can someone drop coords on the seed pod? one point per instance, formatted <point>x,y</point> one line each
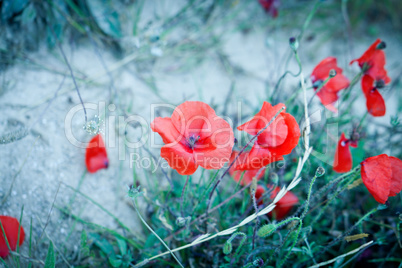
<point>319,172</point>
<point>227,248</point>
<point>266,230</point>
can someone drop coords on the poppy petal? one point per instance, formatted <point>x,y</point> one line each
<point>337,83</point>
<point>343,158</point>
<point>10,226</point>
<point>180,158</point>
<point>165,128</point>
<point>96,155</point>
<point>194,118</point>
<point>292,138</point>
<point>321,71</point>
<point>375,103</point>
<point>376,174</point>
<point>261,119</point>
<point>258,157</point>
<point>367,84</point>
<point>367,54</point>
<point>396,179</point>
<point>258,194</point>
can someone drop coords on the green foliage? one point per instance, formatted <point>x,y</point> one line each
<point>50,261</point>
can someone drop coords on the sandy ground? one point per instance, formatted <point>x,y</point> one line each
<point>54,159</point>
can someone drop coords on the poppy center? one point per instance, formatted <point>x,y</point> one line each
<point>192,140</point>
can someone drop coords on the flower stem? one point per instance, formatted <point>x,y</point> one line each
<point>182,196</point>
<point>152,231</point>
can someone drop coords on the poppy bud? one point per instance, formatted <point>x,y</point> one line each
<point>332,73</point>
<point>317,83</point>
<point>258,262</point>
<point>274,178</point>
<point>319,172</point>
<point>294,44</point>
<point>227,248</point>
<point>382,45</point>
<point>266,230</point>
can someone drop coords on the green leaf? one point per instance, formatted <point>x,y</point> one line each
<point>50,257</point>
<point>115,262</point>
<point>105,17</point>
<point>122,246</point>
<point>83,238</point>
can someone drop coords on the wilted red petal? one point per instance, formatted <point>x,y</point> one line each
<point>396,179</point>
<point>343,158</point>
<point>367,84</point>
<point>10,226</point>
<point>374,59</point>
<point>328,93</point>
<point>375,103</point>
<point>367,54</point>
<point>337,83</point>
<point>321,71</point>
<point>96,155</point>
<point>376,174</point>
<point>258,193</point>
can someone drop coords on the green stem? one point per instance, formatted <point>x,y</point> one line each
<point>152,231</point>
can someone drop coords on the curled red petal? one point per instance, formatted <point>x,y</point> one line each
<point>327,98</point>
<point>337,83</point>
<point>292,139</point>
<point>321,71</point>
<point>165,128</point>
<point>376,174</point>
<point>343,158</point>
<point>180,158</point>
<point>396,179</point>
<point>96,155</point>
<point>367,84</point>
<point>11,227</point>
<point>261,119</point>
<point>367,54</point>
<point>375,103</point>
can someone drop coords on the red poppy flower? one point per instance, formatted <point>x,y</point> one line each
<point>194,136</point>
<point>248,174</point>
<point>381,175</point>
<point>328,94</point>
<point>343,158</point>
<point>374,101</point>
<point>10,226</point>
<point>372,62</point>
<point>270,6</point>
<point>284,205</point>
<point>277,140</point>
<point>96,156</point>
